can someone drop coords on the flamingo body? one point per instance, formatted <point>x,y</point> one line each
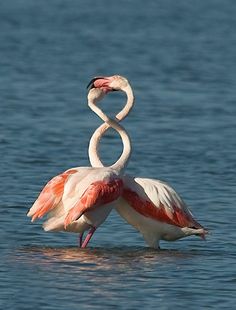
<point>156,211</point>
<point>78,199</point>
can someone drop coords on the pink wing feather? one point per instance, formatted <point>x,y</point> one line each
<point>50,196</point>
<point>97,194</point>
<point>157,200</point>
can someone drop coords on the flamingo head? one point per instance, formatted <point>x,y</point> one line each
<point>108,84</point>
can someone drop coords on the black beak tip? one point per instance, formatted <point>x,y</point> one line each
<point>91,84</point>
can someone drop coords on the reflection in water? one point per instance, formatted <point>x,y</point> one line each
<point>104,271</point>
<point>98,258</point>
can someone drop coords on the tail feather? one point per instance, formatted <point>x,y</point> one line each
<point>201,232</point>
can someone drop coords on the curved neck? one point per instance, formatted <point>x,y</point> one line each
<point>121,163</point>
<point>93,150</point>
<point>129,103</point>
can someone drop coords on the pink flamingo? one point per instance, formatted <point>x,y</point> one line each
<point>151,206</point>
<point>81,198</point>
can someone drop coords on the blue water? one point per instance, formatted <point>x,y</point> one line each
<point>180,59</point>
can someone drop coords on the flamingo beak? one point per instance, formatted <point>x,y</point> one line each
<point>102,83</point>
<point>91,83</point>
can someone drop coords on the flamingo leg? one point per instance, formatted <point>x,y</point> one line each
<point>88,237</point>
<point>81,239</point>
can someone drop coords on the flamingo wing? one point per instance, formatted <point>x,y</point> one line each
<point>157,200</point>
<point>97,194</point>
<point>51,195</point>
